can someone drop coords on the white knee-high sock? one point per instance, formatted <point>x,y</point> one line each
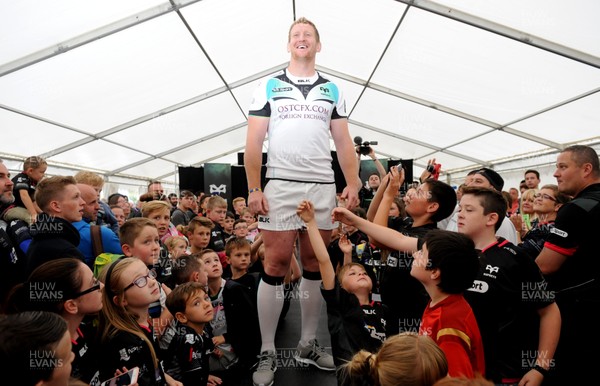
<point>311,301</point>
<point>270,302</point>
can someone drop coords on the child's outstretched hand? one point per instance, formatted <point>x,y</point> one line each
<point>343,215</point>
<point>396,179</point>
<point>345,244</point>
<point>306,211</point>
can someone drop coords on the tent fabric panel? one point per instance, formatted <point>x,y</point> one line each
<point>478,72</point>
<point>239,44</point>
<point>551,20</point>
<point>495,146</point>
<point>389,145</point>
<point>572,122</point>
<point>184,125</point>
<point>210,149</point>
<point>24,135</point>
<point>135,72</point>
<point>41,24</point>
<point>350,43</point>
<point>99,155</point>
<point>415,121</point>
<point>152,169</point>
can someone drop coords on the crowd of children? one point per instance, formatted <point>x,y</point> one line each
<point>179,305</point>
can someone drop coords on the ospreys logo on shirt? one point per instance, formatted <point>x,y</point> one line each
<point>190,339</point>
<point>124,356</point>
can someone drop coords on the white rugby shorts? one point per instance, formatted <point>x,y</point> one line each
<point>283,198</point>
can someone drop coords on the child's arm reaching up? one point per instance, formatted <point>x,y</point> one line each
<point>307,214</point>
<point>384,235</point>
<point>346,248</point>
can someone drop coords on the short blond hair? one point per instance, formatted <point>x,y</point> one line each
<point>303,20</point>
<point>89,178</point>
<point>171,241</point>
<point>154,206</point>
<point>132,228</point>
<point>216,202</point>
<point>33,162</point>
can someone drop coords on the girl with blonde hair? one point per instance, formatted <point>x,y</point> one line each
<point>127,338</point>
<point>406,359</point>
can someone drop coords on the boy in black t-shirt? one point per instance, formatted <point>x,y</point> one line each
<point>355,322</point>
<point>216,211</point>
<point>189,346</point>
<point>239,301</point>
<point>429,203</point>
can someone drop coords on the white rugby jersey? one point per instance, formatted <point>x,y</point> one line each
<point>300,111</point>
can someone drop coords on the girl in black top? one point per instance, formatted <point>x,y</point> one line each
<point>127,338</point>
<point>66,287</point>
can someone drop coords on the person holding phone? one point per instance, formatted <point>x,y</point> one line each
<point>128,378</point>
<point>127,337</point>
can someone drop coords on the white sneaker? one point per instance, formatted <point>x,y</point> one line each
<point>265,371</point>
<point>315,355</point>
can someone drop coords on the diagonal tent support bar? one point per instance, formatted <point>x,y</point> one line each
<point>146,117</point>
<point>94,35</point>
<point>181,147</point>
<point>502,30</point>
<point>536,139</point>
<point>448,110</point>
<point>391,38</point>
<point>207,160</point>
<point>171,8</point>
<point>423,144</point>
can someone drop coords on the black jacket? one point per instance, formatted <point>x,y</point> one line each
<point>53,238</point>
<point>243,330</point>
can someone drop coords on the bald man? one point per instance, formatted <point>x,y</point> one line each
<point>110,241</point>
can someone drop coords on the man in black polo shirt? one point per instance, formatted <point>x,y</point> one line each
<point>571,262</point>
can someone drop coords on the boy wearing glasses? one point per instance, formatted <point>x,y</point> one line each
<point>240,229</point>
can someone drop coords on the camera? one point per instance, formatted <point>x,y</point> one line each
<point>434,169</point>
<point>364,148</point>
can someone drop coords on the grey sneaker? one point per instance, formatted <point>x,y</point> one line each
<point>315,355</point>
<point>265,371</point>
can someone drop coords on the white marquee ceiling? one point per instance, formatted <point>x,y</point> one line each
<point>134,88</point>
